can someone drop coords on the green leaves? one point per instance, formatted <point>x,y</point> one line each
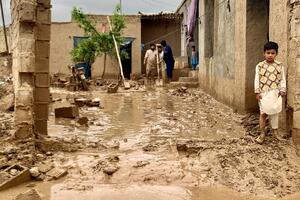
<point>97,43</point>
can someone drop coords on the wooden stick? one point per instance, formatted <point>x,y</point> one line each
<point>157,65</point>
<point>117,50</point>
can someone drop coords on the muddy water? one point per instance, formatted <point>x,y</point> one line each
<point>137,133</point>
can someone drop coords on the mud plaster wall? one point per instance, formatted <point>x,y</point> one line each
<point>2,40</point>
<point>221,71</point>
<point>62,43</point>
<point>153,29</point>
<point>278,32</point>
<point>186,51</point>
<point>294,68</point>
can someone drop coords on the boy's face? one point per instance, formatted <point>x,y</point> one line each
<point>270,55</point>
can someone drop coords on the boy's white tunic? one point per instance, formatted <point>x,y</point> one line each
<point>269,81</point>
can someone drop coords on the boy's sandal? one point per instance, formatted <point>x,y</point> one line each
<point>260,139</point>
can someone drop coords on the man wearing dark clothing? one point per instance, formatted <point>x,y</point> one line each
<point>168,58</point>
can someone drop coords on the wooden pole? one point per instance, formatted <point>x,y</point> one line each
<point>4,29</point>
<point>117,50</point>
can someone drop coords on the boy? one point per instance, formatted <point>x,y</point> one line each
<point>194,58</point>
<point>270,87</point>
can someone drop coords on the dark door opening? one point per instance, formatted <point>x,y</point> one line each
<point>126,47</point>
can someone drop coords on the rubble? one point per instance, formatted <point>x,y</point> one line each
<point>29,195</point>
<point>56,173</point>
<point>13,175</point>
<point>67,112</point>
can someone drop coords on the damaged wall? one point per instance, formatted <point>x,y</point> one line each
<point>62,43</point>
<point>220,35</point>
<point>31,32</point>
<point>2,39</point>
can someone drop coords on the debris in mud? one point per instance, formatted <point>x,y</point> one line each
<point>110,170</point>
<point>56,173</point>
<point>29,195</point>
<point>83,121</point>
<point>80,102</point>
<point>13,175</point>
<point>112,88</point>
<point>67,112</point>
<point>140,164</point>
<point>150,147</point>
<point>180,91</point>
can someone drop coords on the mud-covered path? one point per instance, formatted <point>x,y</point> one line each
<point>164,145</point>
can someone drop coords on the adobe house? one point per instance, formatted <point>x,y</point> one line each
<point>231,38</point>
<point>158,27</point>
<point>62,42</point>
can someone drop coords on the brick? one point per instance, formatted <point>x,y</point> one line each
<point>43,32</point>
<point>57,173</point>
<point>67,112</point>
<point>41,80</point>
<point>27,12</point>
<point>41,127</point>
<point>41,95</point>
<point>41,64</point>
<point>43,15</point>
<point>42,49</point>
<point>41,111</point>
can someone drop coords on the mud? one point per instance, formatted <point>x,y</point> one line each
<point>163,144</point>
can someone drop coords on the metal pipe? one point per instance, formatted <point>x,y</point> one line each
<point>4,28</point>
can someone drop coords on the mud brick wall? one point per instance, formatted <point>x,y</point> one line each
<point>294,70</point>
<point>30,31</point>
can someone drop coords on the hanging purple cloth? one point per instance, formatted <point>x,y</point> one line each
<point>191,20</point>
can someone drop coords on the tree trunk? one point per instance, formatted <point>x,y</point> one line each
<point>104,65</point>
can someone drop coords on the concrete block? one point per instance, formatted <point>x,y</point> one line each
<point>41,80</point>
<point>41,95</point>
<point>43,15</point>
<point>41,111</point>
<point>41,127</point>
<point>41,64</point>
<point>27,12</point>
<point>42,49</point>
<point>43,32</point>
<point>67,112</point>
<point>296,120</point>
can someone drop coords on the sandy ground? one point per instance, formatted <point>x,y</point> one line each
<point>163,144</point>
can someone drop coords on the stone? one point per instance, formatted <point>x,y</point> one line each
<point>7,103</point>
<point>57,173</point>
<point>29,195</point>
<point>141,164</point>
<point>67,112</point>
<point>34,172</point>
<point>45,167</point>
<point>110,170</point>
<point>83,121</point>
<point>13,172</point>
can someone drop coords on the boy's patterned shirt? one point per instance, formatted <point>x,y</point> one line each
<point>269,77</point>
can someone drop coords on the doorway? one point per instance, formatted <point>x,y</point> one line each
<point>126,51</point>
<point>257,34</point>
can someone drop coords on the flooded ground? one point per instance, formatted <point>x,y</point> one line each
<point>162,145</point>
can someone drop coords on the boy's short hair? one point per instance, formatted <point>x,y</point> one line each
<point>151,45</point>
<point>271,45</point>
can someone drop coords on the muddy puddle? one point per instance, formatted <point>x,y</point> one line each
<point>163,145</point>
